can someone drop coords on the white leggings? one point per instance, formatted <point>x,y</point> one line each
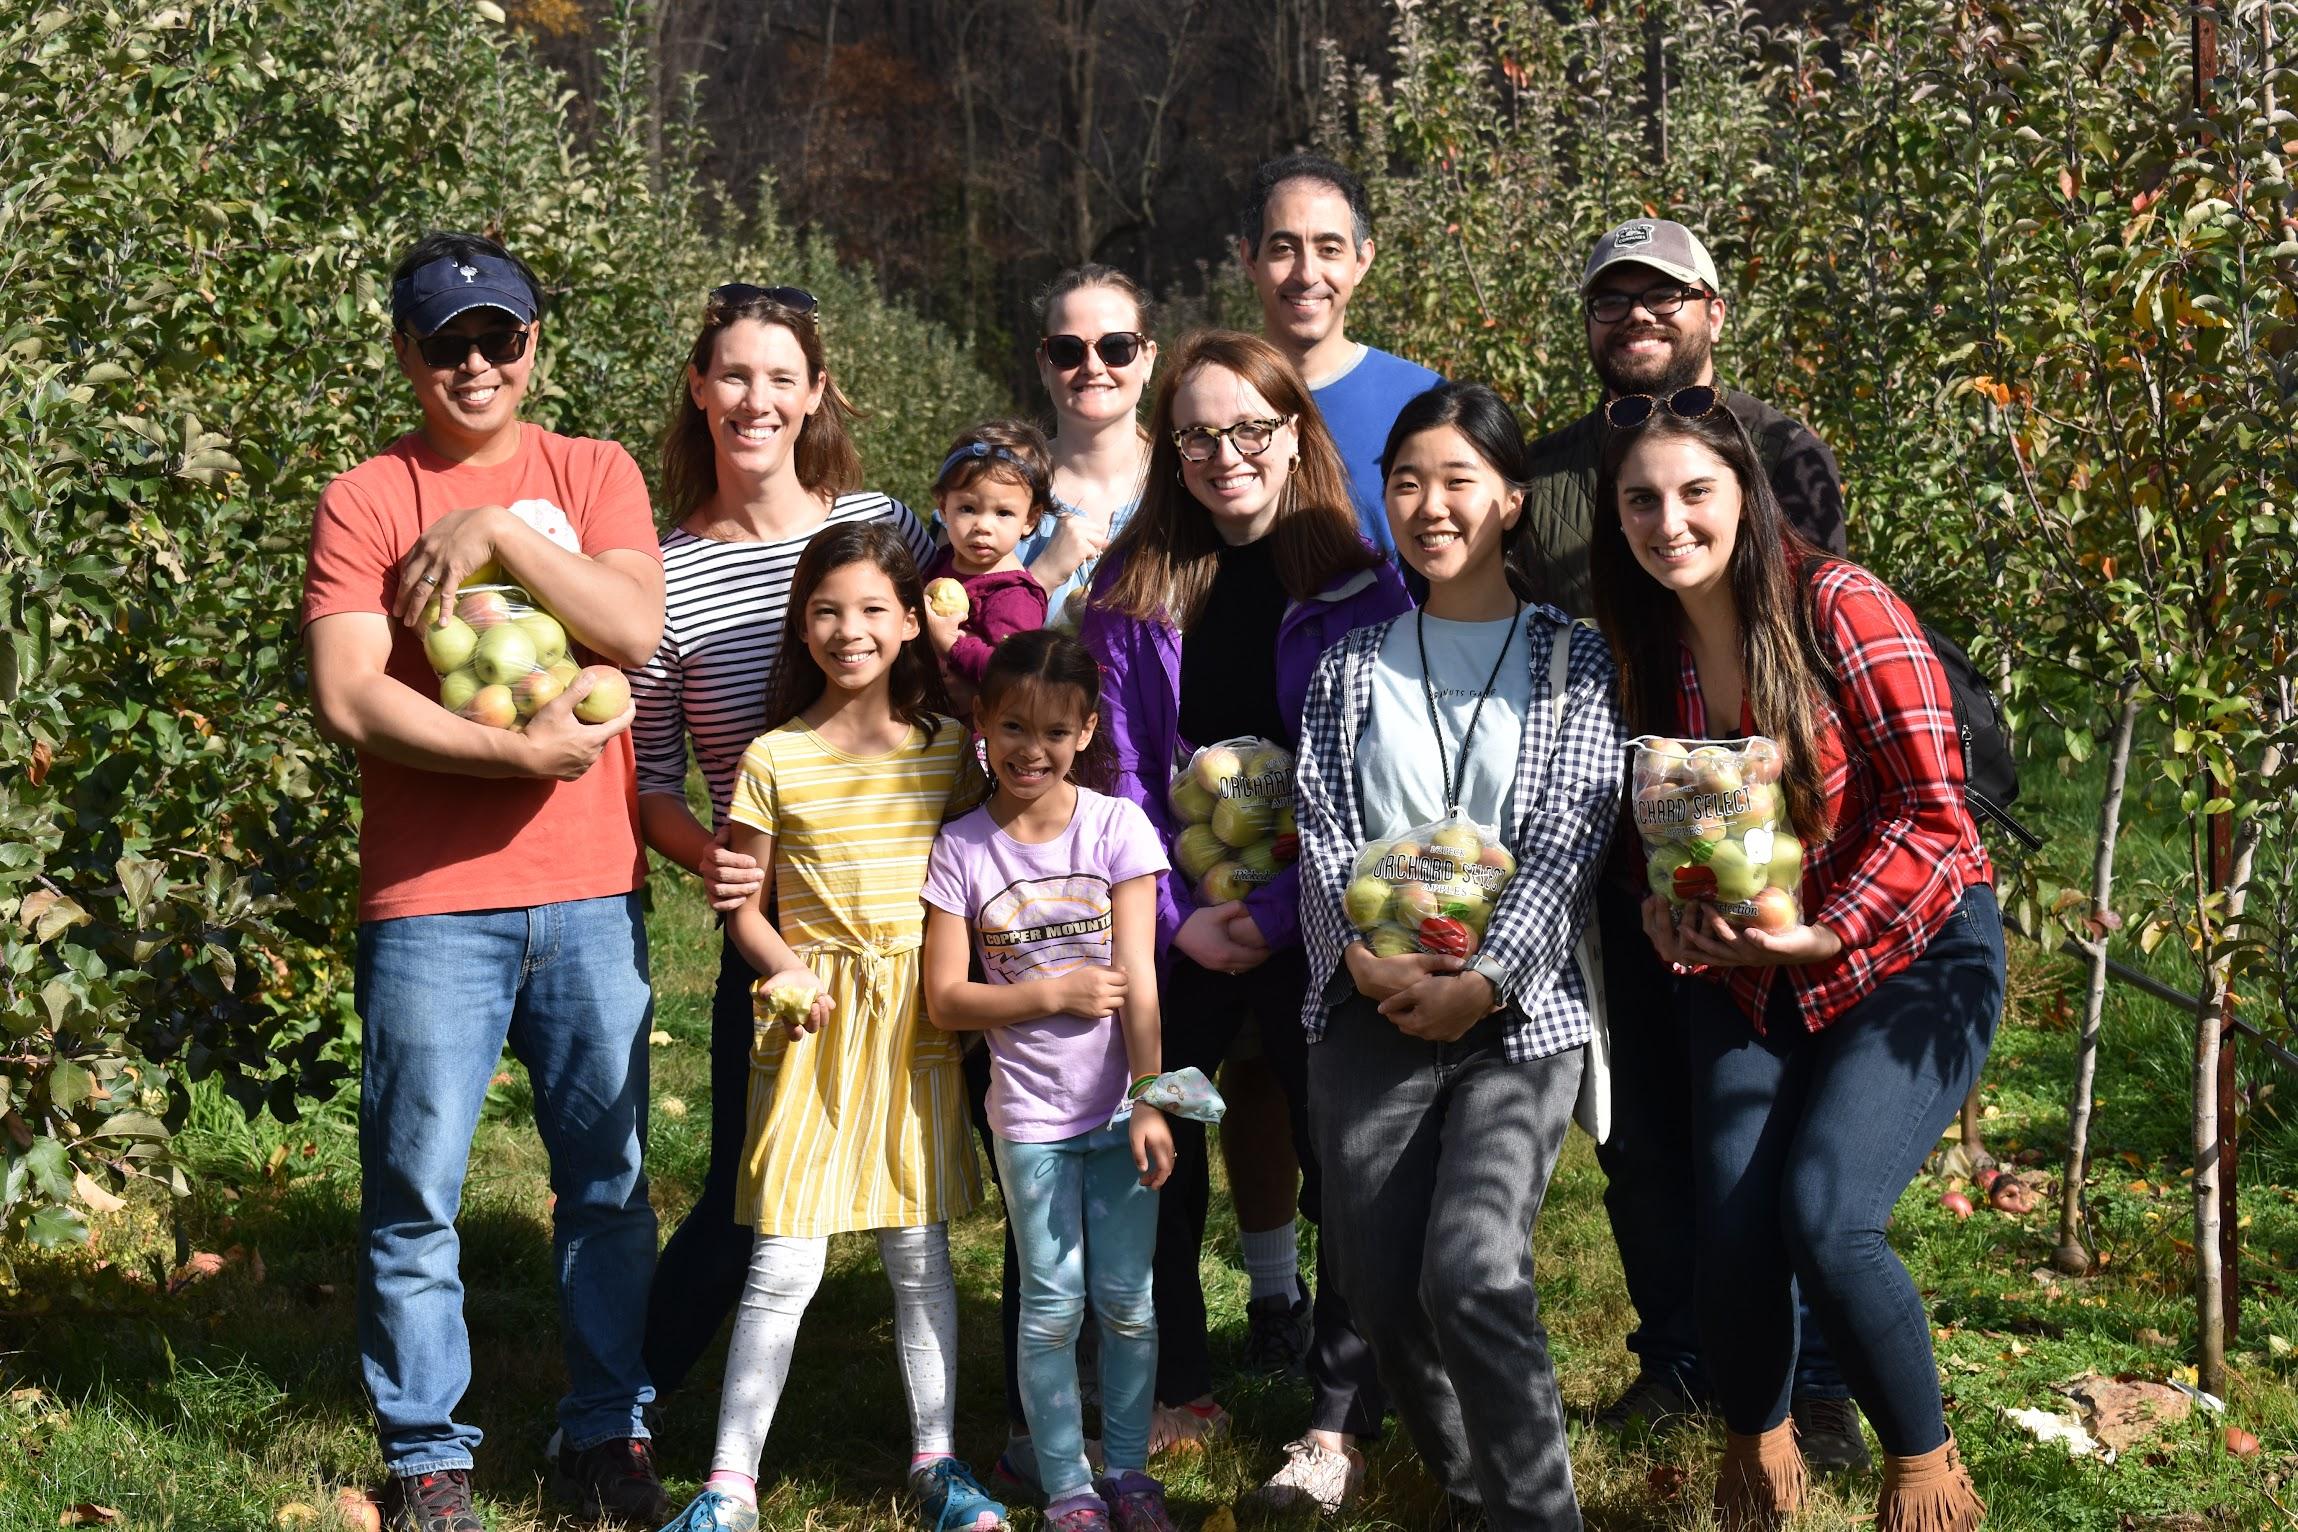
<point>784,1273</point>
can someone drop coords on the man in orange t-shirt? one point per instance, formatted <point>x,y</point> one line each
<point>498,883</point>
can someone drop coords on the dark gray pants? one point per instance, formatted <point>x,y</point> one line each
<point>1436,1158</point>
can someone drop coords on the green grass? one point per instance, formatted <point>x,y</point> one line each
<point>234,1400</point>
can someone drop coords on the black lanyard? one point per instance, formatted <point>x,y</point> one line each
<point>1428,694</point>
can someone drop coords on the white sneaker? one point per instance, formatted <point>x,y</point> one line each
<point>1312,1475</point>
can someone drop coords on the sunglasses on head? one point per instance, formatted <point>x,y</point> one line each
<point>734,294</point>
<point>1116,349</point>
<point>449,348</point>
<point>1631,410</point>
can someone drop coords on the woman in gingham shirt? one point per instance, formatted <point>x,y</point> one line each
<point>1826,1058</point>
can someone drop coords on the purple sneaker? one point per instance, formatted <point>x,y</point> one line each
<point>1136,1503</point>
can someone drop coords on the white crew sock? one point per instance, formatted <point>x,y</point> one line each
<point>1273,1260</point>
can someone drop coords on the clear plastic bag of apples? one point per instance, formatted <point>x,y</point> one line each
<point>1715,828</point>
<point>1234,803</point>
<point>1431,889</point>
<point>501,659</point>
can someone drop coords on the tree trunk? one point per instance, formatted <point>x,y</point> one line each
<point>2074,1255</point>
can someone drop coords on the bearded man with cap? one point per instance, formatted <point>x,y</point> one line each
<point>1655,310</point>
<point>498,872</point>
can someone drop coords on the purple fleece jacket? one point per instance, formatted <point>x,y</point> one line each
<point>1001,603</point>
<point>1141,715</point>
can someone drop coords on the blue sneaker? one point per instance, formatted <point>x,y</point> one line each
<point>715,1511</point>
<point>950,1499</point>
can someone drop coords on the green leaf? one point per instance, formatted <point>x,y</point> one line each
<point>51,1169</point>
<point>56,1225</point>
<point>69,1085</point>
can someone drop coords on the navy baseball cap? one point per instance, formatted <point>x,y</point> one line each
<point>423,301</point>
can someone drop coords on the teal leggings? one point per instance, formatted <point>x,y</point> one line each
<point>1060,1200</point>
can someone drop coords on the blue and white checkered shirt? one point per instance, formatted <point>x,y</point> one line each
<point>1568,793</point>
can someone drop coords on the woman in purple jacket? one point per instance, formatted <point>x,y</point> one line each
<point>1241,566</point>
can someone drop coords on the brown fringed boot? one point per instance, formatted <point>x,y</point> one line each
<point>1930,1493</point>
<point>1760,1482</point>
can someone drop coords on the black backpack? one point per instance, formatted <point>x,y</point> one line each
<point>1990,771</point>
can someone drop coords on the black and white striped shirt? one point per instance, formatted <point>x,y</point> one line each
<point>723,610</point>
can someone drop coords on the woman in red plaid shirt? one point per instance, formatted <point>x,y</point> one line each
<point>1827,1058</point>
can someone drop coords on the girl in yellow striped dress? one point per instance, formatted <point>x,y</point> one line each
<point>857,1114</point>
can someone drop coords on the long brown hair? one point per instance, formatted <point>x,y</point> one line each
<point>826,459</point>
<point>1786,672</point>
<point>914,683</point>
<point>1170,549</point>
<point>1059,671</point>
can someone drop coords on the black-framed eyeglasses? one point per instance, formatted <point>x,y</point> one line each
<point>734,294</point>
<point>1251,438</point>
<point>449,348</point>
<point>1631,410</point>
<point>1667,298</point>
<point>1118,348</point>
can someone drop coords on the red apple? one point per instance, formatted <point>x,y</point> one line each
<point>1774,910</point>
<point>493,706</point>
<point>534,690</point>
<point>358,1511</point>
<point>1761,760</point>
<point>483,609</point>
<point>609,694</point>
<point>1957,1203</point>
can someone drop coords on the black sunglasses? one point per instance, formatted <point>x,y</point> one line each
<point>734,294</point>
<point>448,348</point>
<point>1116,349</point>
<point>1632,410</point>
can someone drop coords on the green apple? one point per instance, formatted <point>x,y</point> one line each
<point>1715,769</point>
<point>1774,909</point>
<point>1391,941</point>
<point>1786,865</point>
<point>609,694</point>
<point>1215,766</point>
<point>1259,860</point>
<point>1368,860</point>
<point>505,653</point>
<point>1285,823</point>
<point>550,639</point>
<point>1366,902</point>
<point>566,671</point>
<point>449,645</point>
<point>1660,871</point>
<point>483,609</point>
<point>1225,882</point>
<point>1460,842</point>
<point>489,573</point>
<point>1197,848</point>
<point>1737,878</point>
<point>1242,821</point>
<point>456,689</point>
<point>1190,803</point>
<point>1270,761</point>
<point>534,691</point>
<point>493,706</point>
<point>1762,808</point>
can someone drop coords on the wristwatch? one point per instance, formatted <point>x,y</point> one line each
<point>1494,975</point>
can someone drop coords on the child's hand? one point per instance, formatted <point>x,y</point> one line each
<point>817,1010</point>
<point>1091,992</point>
<point>942,630</point>
<point>1152,1139</point>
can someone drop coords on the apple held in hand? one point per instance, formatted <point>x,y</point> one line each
<point>609,694</point>
<point>449,646</point>
<point>1774,910</point>
<point>1390,941</point>
<point>786,999</point>
<point>566,671</point>
<point>483,609</point>
<point>505,653</point>
<point>947,598</point>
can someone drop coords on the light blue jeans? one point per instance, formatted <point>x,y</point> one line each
<point>438,995</point>
<point>1061,1200</point>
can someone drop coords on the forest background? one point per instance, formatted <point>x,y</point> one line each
<point>2029,269</point>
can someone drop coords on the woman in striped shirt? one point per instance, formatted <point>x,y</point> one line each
<point>757,459</point>
<point>1826,1058</point>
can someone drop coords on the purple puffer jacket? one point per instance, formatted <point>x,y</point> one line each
<point>1141,715</point>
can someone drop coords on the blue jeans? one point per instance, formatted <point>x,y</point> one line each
<point>1061,1199</point>
<point>1647,1164</point>
<point>438,995</point>
<point>1802,1143</point>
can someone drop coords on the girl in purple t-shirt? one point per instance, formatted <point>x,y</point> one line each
<point>1055,886</point>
